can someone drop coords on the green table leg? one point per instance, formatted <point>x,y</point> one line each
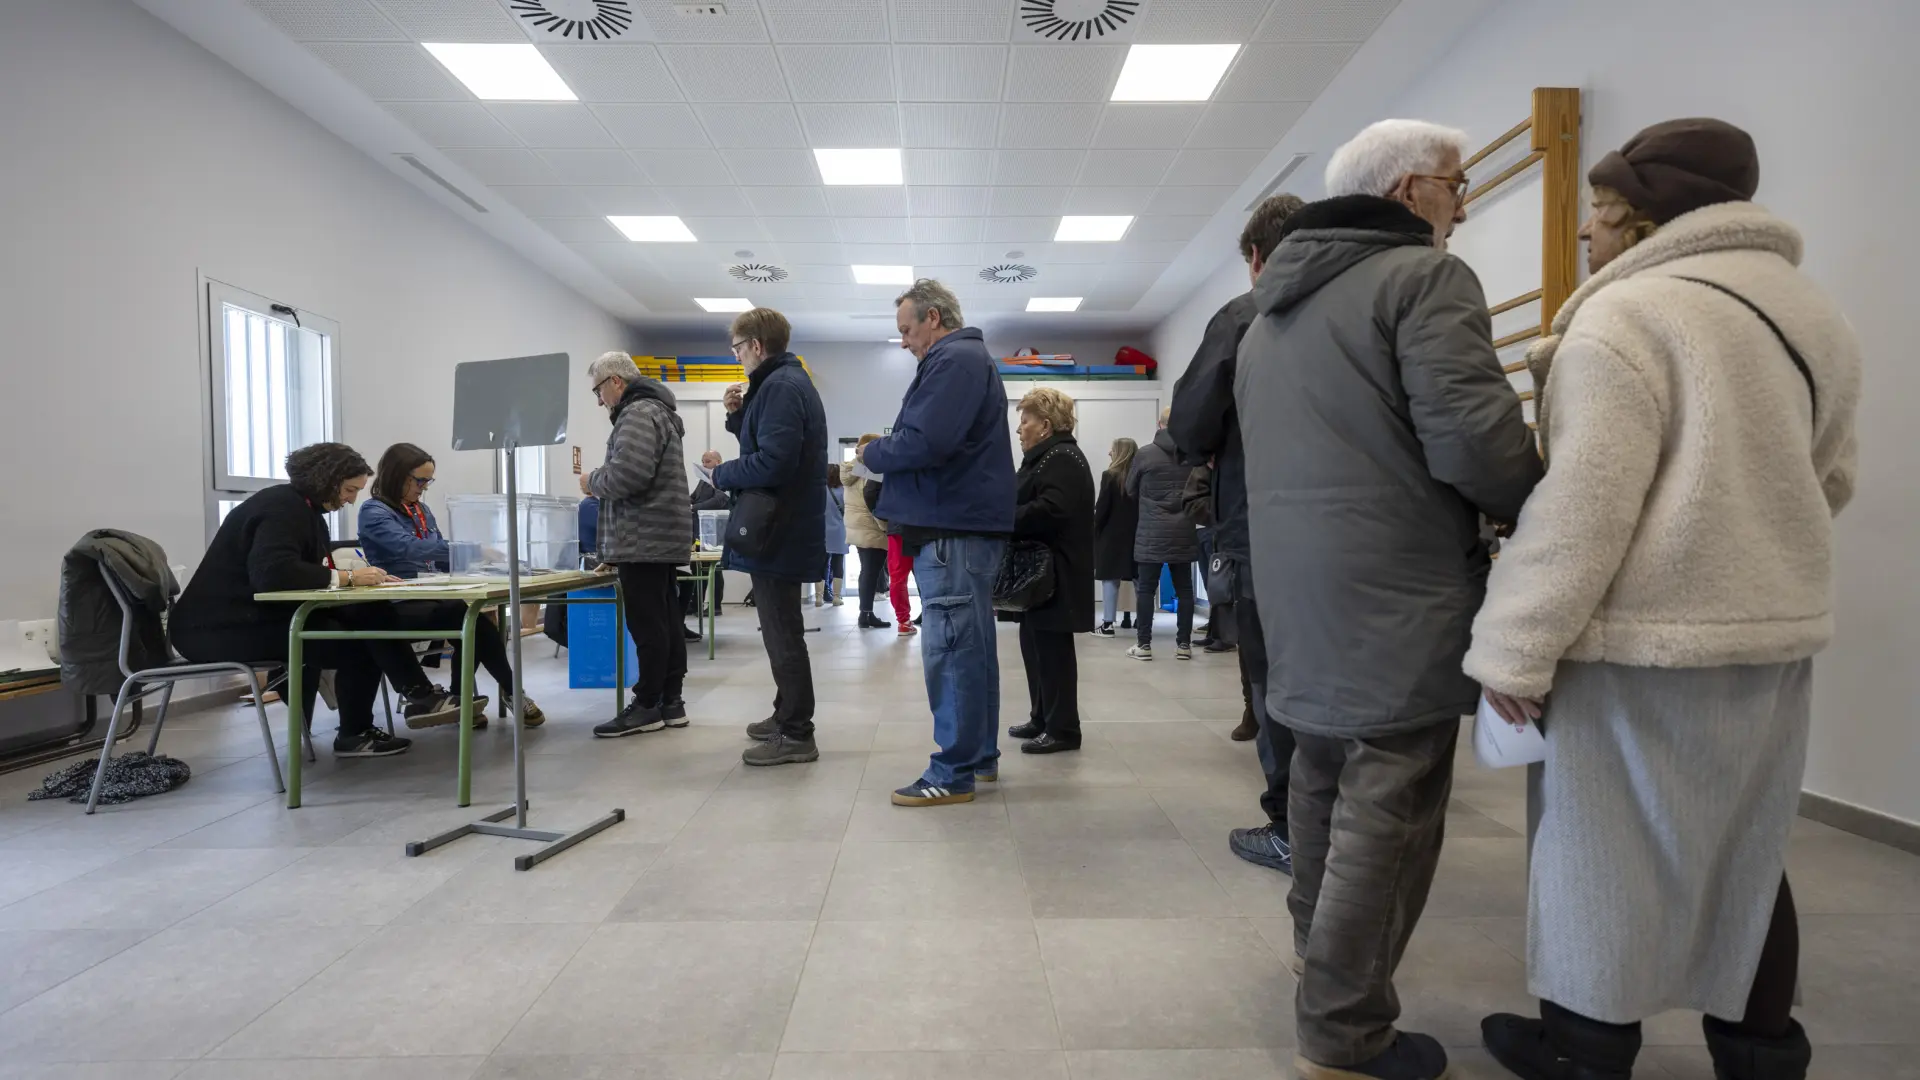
<point>296,722</point>
<point>619,649</point>
<point>713,609</point>
<point>466,701</point>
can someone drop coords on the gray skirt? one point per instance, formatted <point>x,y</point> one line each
<point>1660,821</point>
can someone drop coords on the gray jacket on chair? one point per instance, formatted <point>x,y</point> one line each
<point>89,617</point>
<point>1165,533</point>
<point>1379,429</point>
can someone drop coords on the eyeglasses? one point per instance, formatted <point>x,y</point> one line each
<point>425,482</point>
<point>601,383</point>
<point>1456,184</point>
<point>738,345</point>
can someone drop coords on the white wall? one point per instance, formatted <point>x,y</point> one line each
<point>135,159</point>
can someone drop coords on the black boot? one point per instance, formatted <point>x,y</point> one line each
<point>1739,1056</point>
<point>1562,1045</point>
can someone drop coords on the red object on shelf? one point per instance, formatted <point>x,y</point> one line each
<point>1128,356</point>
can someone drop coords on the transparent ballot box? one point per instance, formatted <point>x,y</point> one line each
<point>713,529</point>
<point>477,533</point>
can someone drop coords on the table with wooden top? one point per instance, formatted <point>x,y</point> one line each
<point>705,567</point>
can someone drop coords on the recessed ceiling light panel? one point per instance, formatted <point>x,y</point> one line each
<point>1053,303</point>
<point>1172,72</point>
<point>724,304</point>
<point>502,72</point>
<point>869,168</point>
<point>882,275</point>
<point>652,230</point>
<point>1093,228</point>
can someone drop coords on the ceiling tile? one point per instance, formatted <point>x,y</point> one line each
<point>726,72</point>
<point>1036,167</point>
<point>1063,72</point>
<point>653,127</point>
<point>732,230</point>
<point>946,230</point>
<point>613,72</point>
<point>1284,72</point>
<point>479,21</point>
<point>879,254</point>
<point>1130,274</point>
<point>840,292</point>
<point>1324,20</point>
<point>947,201</point>
<point>949,125</point>
<point>391,72</point>
<point>815,257</point>
<point>997,298</point>
<point>1136,126</point>
<point>1026,201</point>
<point>946,254</point>
<point>1067,279</point>
<point>684,168</point>
<point>1120,167</point>
<point>708,201</point>
<point>867,201</point>
<point>952,20</point>
<point>340,20</point>
<point>453,123</point>
<point>1107,200</point>
<point>1231,125</point>
<point>619,254</point>
<point>1146,251</point>
<point>794,202</point>
<point>1042,126</point>
<point>626,200</point>
<point>791,231</point>
<point>950,72</point>
<point>593,167</point>
<point>851,127</point>
<point>1112,300</point>
<point>580,229</point>
<point>1020,230</point>
<point>1214,166</point>
<point>838,72</point>
<point>864,230</point>
<point>1200,22</point>
<point>1160,227</point>
<point>768,124</point>
<point>1189,200</point>
<point>740,23</point>
<point>545,201</point>
<point>949,166</point>
<point>961,277</point>
<point>826,20</point>
<point>494,167</point>
<point>772,168</point>
<point>551,123</point>
<point>1079,253</point>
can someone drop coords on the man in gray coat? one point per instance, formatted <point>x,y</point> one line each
<point>1386,431</point>
<point>1166,536</point>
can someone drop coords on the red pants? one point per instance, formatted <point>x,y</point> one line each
<point>899,565</point>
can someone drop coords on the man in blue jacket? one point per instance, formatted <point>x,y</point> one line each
<point>782,428</point>
<point>950,493</point>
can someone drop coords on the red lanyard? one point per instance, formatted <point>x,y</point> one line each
<point>419,521</point>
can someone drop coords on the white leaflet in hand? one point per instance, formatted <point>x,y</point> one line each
<point>860,470</point>
<point>1500,745</point>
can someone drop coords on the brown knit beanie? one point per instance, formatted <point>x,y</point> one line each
<point>1680,166</point>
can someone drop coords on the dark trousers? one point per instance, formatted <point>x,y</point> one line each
<point>358,666</point>
<point>690,592</point>
<point>654,620</point>
<point>873,573</point>
<point>785,635</point>
<point>1367,817</point>
<point>1146,588</point>
<point>1274,740</point>
<point>489,639</point>
<point>1053,681</point>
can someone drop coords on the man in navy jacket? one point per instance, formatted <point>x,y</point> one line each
<point>782,428</point>
<point>950,492</point>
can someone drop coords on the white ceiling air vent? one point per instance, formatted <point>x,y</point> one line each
<point>582,20</point>
<point>1077,20</point>
<point>758,273</point>
<point>427,172</point>
<point>1009,273</point>
<point>1279,178</point>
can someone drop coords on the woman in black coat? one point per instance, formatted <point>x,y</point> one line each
<point>1115,519</point>
<point>1054,504</point>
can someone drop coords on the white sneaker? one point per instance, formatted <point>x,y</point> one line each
<point>1183,652</point>
<point>1141,652</point>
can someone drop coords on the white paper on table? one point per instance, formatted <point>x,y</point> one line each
<point>1500,745</point>
<point>860,470</point>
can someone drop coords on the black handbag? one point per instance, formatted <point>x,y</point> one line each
<point>754,526</point>
<point>1223,580</point>
<point>1026,578</point>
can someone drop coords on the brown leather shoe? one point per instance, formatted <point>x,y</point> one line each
<point>1247,729</point>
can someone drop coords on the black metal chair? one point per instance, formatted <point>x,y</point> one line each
<point>140,683</point>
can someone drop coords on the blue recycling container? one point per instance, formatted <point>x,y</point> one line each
<point>590,644</point>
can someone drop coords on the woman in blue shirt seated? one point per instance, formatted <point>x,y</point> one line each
<point>398,534</point>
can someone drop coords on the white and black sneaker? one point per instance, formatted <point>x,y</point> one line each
<point>1141,652</point>
<point>370,743</point>
<point>437,705</point>
<point>633,720</point>
<point>1105,629</point>
<point>922,793</point>
<point>1183,652</point>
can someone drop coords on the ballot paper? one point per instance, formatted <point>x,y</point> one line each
<point>861,471</point>
<point>1500,745</point>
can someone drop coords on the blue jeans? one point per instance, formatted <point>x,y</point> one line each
<point>961,657</point>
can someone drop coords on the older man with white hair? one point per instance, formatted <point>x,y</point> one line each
<point>1383,433</point>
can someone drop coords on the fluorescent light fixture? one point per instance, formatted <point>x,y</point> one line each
<point>724,304</point>
<point>863,167</point>
<point>893,341</point>
<point>882,275</point>
<point>1053,303</point>
<point>1074,227</point>
<point>503,72</point>
<point>1172,72</point>
<point>653,230</point>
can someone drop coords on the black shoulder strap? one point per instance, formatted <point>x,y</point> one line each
<point>1792,353</point>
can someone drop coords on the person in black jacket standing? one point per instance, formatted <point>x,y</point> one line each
<point>278,540</point>
<point>1206,429</point>
<point>1054,505</point>
<point>1115,518</point>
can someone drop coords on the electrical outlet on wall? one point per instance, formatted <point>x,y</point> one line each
<point>39,632</point>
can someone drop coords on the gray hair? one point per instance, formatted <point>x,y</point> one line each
<point>613,365</point>
<point>1374,161</point>
<point>928,293</point>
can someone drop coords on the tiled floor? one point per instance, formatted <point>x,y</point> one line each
<point>1082,920</point>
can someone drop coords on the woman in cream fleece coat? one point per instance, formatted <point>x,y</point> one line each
<point>1668,583</point>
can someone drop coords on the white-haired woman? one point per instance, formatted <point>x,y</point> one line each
<point>1054,505</point>
<point>1668,583</point>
